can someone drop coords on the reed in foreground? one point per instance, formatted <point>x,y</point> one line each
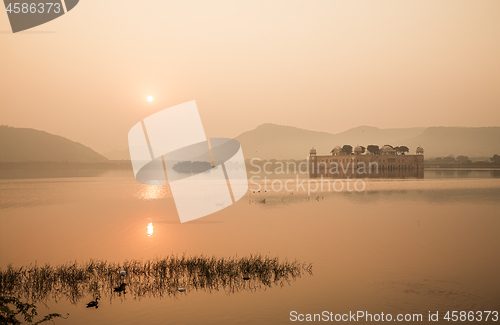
<point>153,278</point>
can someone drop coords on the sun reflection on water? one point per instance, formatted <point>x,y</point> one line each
<point>150,229</point>
<point>153,192</point>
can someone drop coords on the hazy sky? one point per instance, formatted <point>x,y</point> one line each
<point>320,65</point>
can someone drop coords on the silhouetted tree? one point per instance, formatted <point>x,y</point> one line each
<point>402,150</point>
<point>448,159</point>
<point>374,149</point>
<point>463,159</point>
<point>495,159</point>
<point>363,149</point>
<point>347,149</point>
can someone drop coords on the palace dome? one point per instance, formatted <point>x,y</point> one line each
<point>387,150</point>
<point>420,150</point>
<point>335,151</point>
<point>337,148</point>
<point>358,149</point>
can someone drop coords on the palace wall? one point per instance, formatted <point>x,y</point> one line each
<point>365,165</point>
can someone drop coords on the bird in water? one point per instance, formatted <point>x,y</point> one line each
<point>94,303</point>
<point>122,272</point>
<point>120,288</point>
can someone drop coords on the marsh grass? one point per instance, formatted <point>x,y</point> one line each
<point>151,278</point>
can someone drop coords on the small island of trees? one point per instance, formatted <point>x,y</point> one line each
<point>192,166</point>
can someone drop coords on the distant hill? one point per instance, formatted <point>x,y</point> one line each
<point>271,141</point>
<point>123,154</point>
<point>364,135</point>
<point>21,144</point>
<point>444,141</point>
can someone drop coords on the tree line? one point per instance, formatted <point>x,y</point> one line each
<point>374,149</point>
<point>451,159</point>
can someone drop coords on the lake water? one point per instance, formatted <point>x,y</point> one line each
<point>399,246</point>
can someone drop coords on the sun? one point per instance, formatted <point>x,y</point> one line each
<point>150,98</point>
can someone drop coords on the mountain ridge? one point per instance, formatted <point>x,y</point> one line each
<point>295,143</point>
<point>26,144</point>
<point>274,141</point>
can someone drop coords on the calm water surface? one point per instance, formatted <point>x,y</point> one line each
<point>400,246</point>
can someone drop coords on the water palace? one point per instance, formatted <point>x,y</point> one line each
<point>362,161</point>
